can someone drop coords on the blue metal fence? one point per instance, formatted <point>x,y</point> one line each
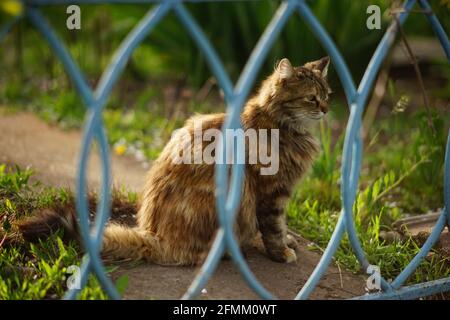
<point>227,203</point>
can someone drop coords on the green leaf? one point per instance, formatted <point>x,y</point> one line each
<point>376,189</point>
<point>9,206</point>
<point>122,283</point>
<point>61,247</point>
<point>47,268</point>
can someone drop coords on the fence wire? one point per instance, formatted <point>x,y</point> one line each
<point>228,189</point>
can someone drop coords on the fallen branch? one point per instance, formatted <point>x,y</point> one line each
<point>415,64</point>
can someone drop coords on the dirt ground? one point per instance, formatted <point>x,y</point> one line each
<point>149,281</point>
<point>53,154</point>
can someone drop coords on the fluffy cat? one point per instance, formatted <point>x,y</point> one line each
<point>177,221</point>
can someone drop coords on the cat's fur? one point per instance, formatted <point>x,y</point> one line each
<point>177,219</point>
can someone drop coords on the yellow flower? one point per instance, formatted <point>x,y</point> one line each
<point>120,149</point>
<point>12,7</point>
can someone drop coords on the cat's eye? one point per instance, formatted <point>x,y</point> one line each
<point>311,98</point>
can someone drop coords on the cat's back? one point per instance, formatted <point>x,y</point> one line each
<point>180,183</point>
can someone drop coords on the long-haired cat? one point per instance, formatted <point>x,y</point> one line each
<point>177,220</point>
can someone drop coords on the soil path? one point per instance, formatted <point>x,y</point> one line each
<point>53,154</point>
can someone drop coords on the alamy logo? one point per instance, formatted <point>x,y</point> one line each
<point>74,281</point>
<point>374,280</point>
<point>374,20</point>
<point>73,22</point>
<point>259,147</point>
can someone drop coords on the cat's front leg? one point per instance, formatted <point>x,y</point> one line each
<point>272,224</point>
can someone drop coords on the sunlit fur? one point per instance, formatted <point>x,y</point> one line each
<point>177,220</point>
<point>296,100</point>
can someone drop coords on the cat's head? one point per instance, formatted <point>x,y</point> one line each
<point>299,94</point>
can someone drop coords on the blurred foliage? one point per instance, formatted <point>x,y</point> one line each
<point>11,7</point>
<point>169,50</point>
<point>241,24</point>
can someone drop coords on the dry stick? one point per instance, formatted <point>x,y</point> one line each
<point>340,275</point>
<point>338,267</point>
<point>397,11</point>
<point>375,101</point>
<point>413,60</point>
<point>417,69</point>
<point>3,240</point>
<point>206,89</point>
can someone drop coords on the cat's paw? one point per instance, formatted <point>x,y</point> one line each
<point>286,255</point>
<point>292,243</point>
<point>289,255</point>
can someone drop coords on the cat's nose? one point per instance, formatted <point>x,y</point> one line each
<point>323,108</point>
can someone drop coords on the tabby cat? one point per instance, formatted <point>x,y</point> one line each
<point>177,220</point>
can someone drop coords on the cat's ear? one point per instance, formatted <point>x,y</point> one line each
<point>320,66</point>
<point>284,69</point>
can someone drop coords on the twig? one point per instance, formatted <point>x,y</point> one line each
<point>375,101</point>
<point>340,274</point>
<point>337,265</point>
<point>397,11</point>
<point>206,89</point>
<point>415,64</point>
<point>3,240</point>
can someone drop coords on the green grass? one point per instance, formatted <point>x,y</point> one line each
<point>36,270</point>
<point>401,175</point>
<point>402,171</point>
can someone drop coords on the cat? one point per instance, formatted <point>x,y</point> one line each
<point>177,220</point>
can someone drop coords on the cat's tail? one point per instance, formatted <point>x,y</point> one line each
<point>49,221</point>
<point>122,242</point>
<point>119,242</point>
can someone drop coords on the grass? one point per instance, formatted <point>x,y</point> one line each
<point>397,180</point>
<point>401,175</point>
<point>38,270</point>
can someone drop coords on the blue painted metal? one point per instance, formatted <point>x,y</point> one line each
<point>92,260</point>
<point>352,151</point>
<point>227,203</point>
<point>411,292</point>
